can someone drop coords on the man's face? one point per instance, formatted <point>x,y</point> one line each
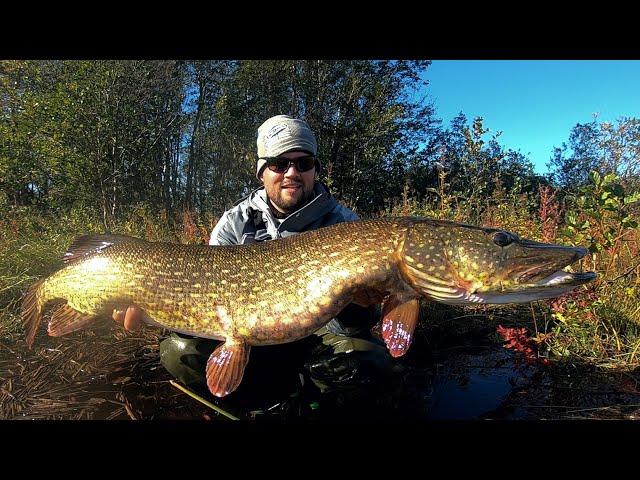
<point>290,190</point>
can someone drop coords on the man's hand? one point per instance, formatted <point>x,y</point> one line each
<point>131,319</point>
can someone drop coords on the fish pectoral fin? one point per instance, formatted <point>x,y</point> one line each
<point>66,320</point>
<point>399,319</point>
<point>225,367</point>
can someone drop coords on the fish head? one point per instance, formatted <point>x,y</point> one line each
<point>463,264</point>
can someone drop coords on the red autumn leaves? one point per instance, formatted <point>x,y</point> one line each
<point>516,339</point>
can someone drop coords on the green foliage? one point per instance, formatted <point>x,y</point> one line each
<point>89,134</point>
<point>603,147</point>
<point>114,134</point>
<point>601,326</point>
<point>474,169</point>
<point>602,217</point>
<point>603,320</point>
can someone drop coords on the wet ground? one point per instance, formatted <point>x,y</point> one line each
<point>114,375</point>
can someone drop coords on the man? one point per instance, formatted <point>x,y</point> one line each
<point>291,200</point>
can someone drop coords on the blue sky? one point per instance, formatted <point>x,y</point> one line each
<point>535,103</point>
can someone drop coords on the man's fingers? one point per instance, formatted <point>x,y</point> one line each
<point>118,315</point>
<point>133,319</point>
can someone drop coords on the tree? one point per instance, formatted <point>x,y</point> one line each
<point>111,135</point>
<point>473,166</point>
<point>603,147</point>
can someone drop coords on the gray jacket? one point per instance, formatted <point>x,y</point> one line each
<point>251,220</point>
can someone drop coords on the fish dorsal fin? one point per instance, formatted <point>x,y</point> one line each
<point>399,319</point>
<point>225,367</point>
<point>86,245</point>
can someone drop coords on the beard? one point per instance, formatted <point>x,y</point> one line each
<point>286,202</point>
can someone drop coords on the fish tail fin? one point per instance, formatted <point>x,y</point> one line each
<point>32,304</point>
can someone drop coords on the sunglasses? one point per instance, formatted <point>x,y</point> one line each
<point>281,164</point>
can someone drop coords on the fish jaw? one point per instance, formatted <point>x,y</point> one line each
<point>555,285</point>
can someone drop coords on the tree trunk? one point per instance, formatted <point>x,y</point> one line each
<point>192,146</point>
<point>166,178</point>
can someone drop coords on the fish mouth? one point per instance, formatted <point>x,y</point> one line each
<point>554,285</point>
<point>541,281</point>
<point>537,283</point>
<point>539,272</point>
<point>565,278</point>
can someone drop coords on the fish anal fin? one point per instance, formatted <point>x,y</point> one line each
<point>66,320</point>
<point>89,244</point>
<point>225,367</point>
<point>399,319</point>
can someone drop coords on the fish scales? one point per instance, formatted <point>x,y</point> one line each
<point>201,290</point>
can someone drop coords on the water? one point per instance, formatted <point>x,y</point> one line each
<point>473,383</point>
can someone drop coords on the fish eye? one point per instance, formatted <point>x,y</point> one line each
<point>502,239</point>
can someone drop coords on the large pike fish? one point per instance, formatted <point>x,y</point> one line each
<point>283,290</point>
